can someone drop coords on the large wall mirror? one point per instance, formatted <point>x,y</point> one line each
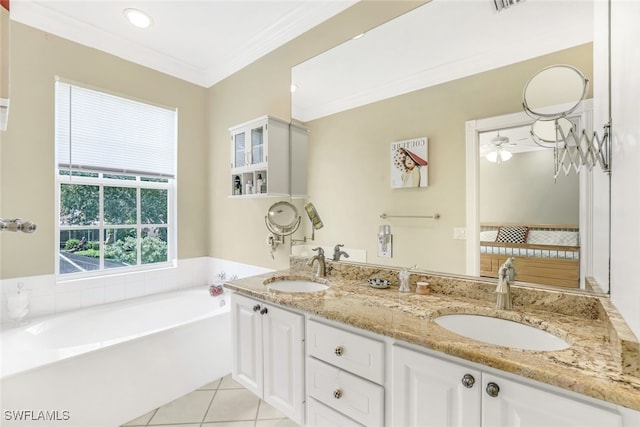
<point>428,74</point>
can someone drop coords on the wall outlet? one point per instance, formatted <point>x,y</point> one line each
<point>384,250</point>
<point>460,233</point>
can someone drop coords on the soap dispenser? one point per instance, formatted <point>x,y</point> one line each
<point>403,277</point>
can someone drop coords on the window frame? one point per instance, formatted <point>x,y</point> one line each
<point>101,226</point>
<point>142,180</point>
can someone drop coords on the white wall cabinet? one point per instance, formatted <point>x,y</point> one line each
<point>429,391</point>
<point>268,354</point>
<point>268,157</point>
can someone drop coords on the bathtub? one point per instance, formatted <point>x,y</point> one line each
<point>105,365</point>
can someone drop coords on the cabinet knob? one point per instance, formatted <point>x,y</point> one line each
<point>337,393</point>
<point>468,381</point>
<point>256,307</point>
<point>493,389</point>
<point>339,351</point>
<point>264,311</point>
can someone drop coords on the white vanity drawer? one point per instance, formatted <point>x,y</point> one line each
<point>319,415</point>
<point>357,354</point>
<point>355,397</point>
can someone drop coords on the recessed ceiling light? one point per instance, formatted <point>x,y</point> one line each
<point>138,18</point>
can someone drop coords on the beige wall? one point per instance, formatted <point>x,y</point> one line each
<point>27,147</point>
<point>237,226</point>
<point>523,190</point>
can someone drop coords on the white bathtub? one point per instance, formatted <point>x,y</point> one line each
<point>105,365</point>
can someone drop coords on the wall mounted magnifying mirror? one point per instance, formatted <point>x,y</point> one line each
<point>570,89</point>
<point>547,132</point>
<point>282,220</point>
<point>314,217</point>
<point>316,223</point>
<point>550,96</point>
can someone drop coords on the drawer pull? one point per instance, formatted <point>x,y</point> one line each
<point>337,393</point>
<point>264,311</point>
<point>468,381</point>
<point>339,351</point>
<point>493,389</point>
<point>256,307</point>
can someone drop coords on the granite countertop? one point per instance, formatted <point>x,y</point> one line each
<point>601,362</point>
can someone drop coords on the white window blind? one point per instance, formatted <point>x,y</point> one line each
<point>105,133</point>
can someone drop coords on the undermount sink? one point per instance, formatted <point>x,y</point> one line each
<point>297,285</point>
<point>501,332</point>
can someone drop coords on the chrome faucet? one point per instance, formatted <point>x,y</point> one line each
<point>322,267</point>
<point>337,253</point>
<point>506,276</point>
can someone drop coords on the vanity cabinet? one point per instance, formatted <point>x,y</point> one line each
<point>432,392</point>
<point>429,391</point>
<point>518,404</point>
<point>345,377</point>
<point>268,354</point>
<point>268,157</point>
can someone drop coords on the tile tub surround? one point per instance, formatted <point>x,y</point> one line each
<point>598,363</point>
<point>50,294</point>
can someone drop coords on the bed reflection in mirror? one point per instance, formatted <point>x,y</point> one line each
<point>525,214</point>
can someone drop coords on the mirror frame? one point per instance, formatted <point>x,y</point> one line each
<point>473,128</point>
<point>282,229</point>
<point>560,110</point>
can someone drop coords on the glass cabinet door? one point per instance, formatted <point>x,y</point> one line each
<point>239,150</point>
<point>257,145</point>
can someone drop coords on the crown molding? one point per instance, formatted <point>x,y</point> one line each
<point>293,24</point>
<point>39,16</point>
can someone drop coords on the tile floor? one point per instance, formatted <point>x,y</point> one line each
<point>222,403</point>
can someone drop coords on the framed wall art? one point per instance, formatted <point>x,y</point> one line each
<point>409,163</point>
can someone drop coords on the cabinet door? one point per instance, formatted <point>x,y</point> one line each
<point>238,149</point>
<point>428,391</point>
<point>246,325</point>
<point>284,361</point>
<point>257,144</point>
<point>520,405</point>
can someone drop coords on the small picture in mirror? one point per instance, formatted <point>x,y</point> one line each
<point>409,163</point>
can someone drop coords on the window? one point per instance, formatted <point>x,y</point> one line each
<point>115,182</point>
